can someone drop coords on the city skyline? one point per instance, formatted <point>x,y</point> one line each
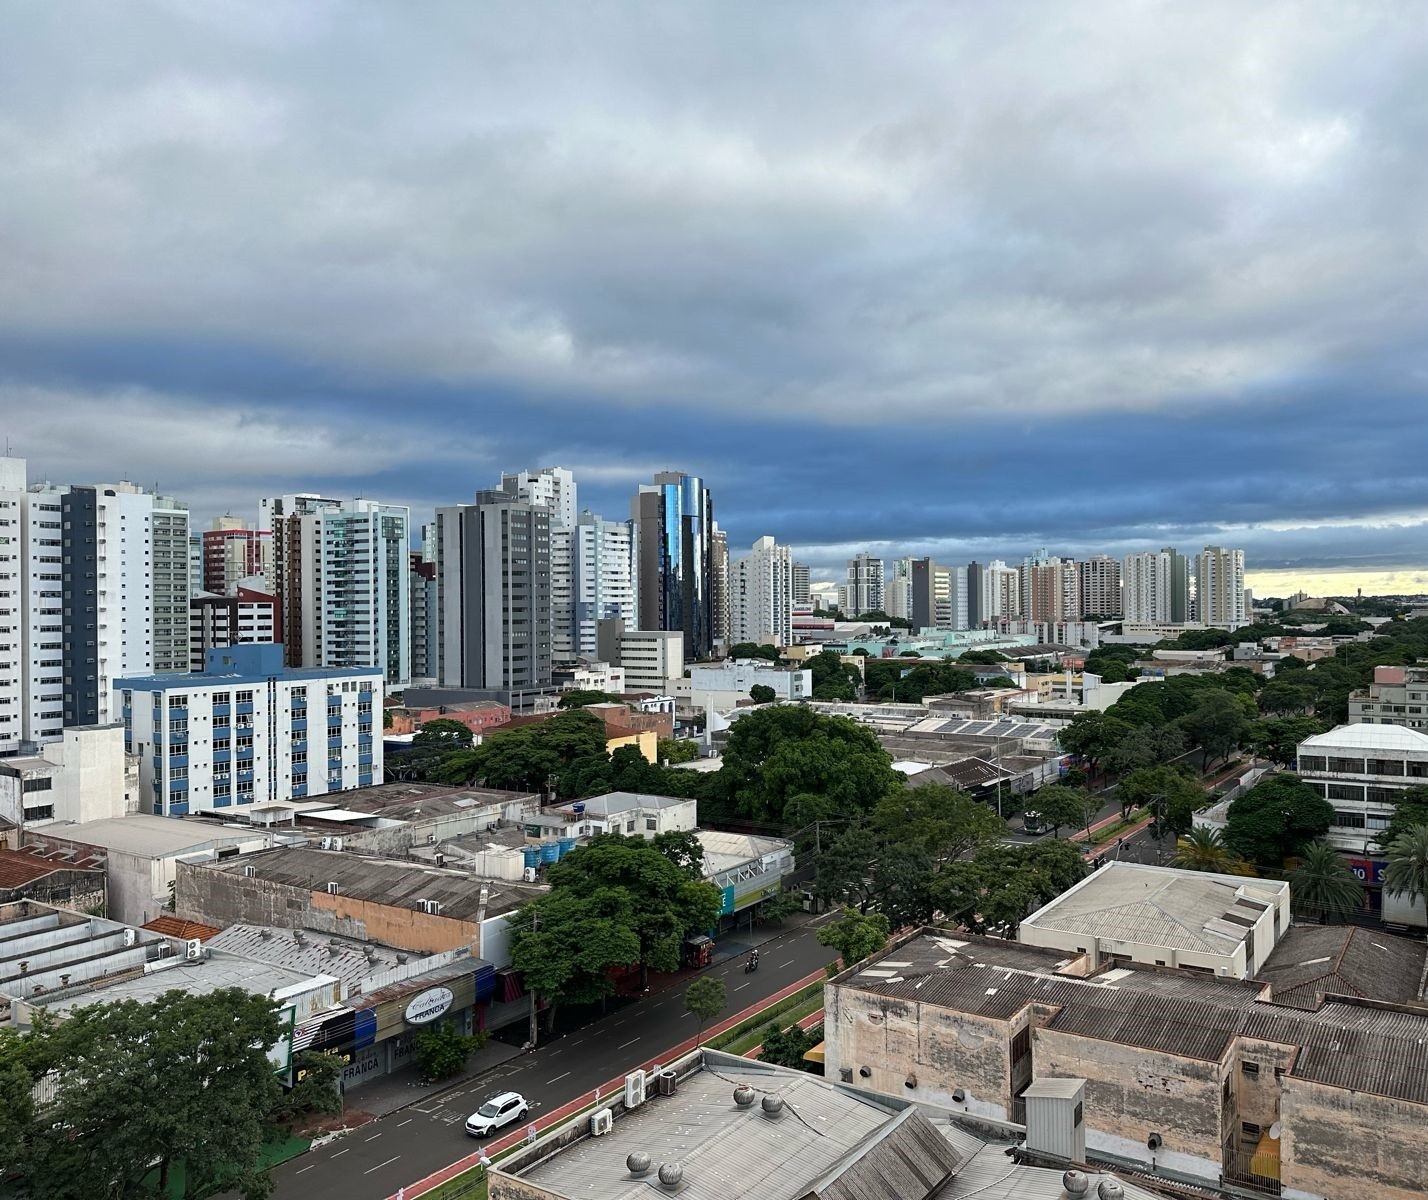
<point>907,294</point>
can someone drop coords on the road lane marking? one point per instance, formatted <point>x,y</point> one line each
<point>373,1138</point>
<point>408,1121</point>
<point>309,1167</point>
<point>631,1042</point>
<point>380,1165</point>
<point>557,1079</point>
<point>742,986</point>
<point>340,1153</point>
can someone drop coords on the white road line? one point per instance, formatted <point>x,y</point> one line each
<point>309,1167</point>
<point>742,986</point>
<point>557,1079</point>
<point>340,1153</point>
<point>373,1138</point>
<point>408,1121</point>
<point>380,1165</point>
<point>631,1042</point>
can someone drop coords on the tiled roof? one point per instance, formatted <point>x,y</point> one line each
<point>19,867</point>
<point>1312,961</point>
<point>178,927</point>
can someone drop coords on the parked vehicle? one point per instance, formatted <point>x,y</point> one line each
<point>1032,824</point>
<point>497,1113</point>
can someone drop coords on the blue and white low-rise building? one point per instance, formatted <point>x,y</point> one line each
<point>247,730</point>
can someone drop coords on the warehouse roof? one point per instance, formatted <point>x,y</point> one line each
<point>1160,906</point>
<point>1313,961</point>
<point>396,882</point>
<point>1367,737</point>
<point>1363,1047</point>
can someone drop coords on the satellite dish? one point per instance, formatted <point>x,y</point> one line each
<point>1274,1131</point>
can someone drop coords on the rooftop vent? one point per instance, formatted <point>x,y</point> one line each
<point>1076,1183</point>
<point>332,888</point>
<point>671,1175</point>
<point>744,1096</point>
<point>1111,1189</point>
<point>264,934</point>
<point>249,872</point>
<point>772,1105</point>
<point>638,1163</point>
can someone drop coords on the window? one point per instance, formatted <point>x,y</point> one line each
<point>37,785</point>
<point>629,827</point>
<point>1250,1070</point>
<point>651,823</point>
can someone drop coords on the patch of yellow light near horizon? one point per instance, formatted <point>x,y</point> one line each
<point>1326,581</point>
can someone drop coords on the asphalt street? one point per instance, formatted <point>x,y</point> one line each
<point>373,1161</point>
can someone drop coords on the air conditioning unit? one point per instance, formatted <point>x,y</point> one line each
<point>634,1089</point>
<point>326,843</point>
<point>131,936</point>
<point>602,1120</point>
<point>193,949</point>
<point>337,843</point>
<point>666,1082</point>
<point>529,874</point>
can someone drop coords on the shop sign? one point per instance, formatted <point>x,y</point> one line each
<point>431,1004</point>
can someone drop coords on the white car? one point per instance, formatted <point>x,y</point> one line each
<point>497,1113</point>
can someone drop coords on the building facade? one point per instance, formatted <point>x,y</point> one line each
<point>863,591</point>
<point>238,732</point>
<point>493,594</point>
<point>1397,696</point>
<point>651,658</point>
<point>674,522</point>
<point>801,580</point>
<point>554,489</point>
<point>761,595</point>
<point>342,577</point>
<point>1100,586</point>
<point>1050,589</point>
<point>233,552</point>
<point>1220,587</point>
<point>423,622</point>
<point>721,588</point>
<point>604,578</point>
<point>244,616</point>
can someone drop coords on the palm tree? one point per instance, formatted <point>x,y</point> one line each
<point>1324,885</point>
<point>1407,872</point>
<point>1204,849</point>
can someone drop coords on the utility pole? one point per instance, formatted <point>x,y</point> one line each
<point>535,924</point>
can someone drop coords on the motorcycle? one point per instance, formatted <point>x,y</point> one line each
<point>751,964</point>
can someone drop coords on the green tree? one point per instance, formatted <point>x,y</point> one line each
<point>583,697</point>
<point>939,821</point>
<point>1322,884</point>
<point>1276,819</point>
<point>528,757</point>
<point>1407,870</point>
<point>1278,739</point>
<point>855,935</point>
<point>1218,724</point>
<point>1094,735</point>
<point>754,650</point>
<point>845,868</point>
<point>1062,807</point>
<point>444,732</point>
<point>774,754</point>
<point>683,849</point>
<point>185,1078</point>
<point>1002,883</point>
<point>442,1051</point>
<point>761,693</point>
<point>982,658</point>
<point>1172,797</point>
<point>1410,810</point>
<point>705,997</point>
<point>1147,746</point>
<point>677,750</point>
<point>565,944</point>
<point>1281,697</point>
<point>317,1079</point>
<point>17,1108</point>
<point>1204,849</point>
<point>387,721</point>
<point>781,905</point>
<point>786,1047</point>
<point>668,901</point>
<point>832,678</point>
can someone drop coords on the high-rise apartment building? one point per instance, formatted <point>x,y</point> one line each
<point>674,520</point>
<point>602,553</point>
<point>897,591</point>
<point>341,573</point>
<point>863,591</point>
<point>761,595</point>
<point>721,585</point>
<point>1100,586</point>
<point>423,618</point>
<point>1155,588</point>
<point>976,594</point>
<point>950,597</point>
<point>922,593</point>
<point>232,551</point>
<point>802,598</point>
<point>195,563</point>
<point>1220,587</point>
<point>993,592</point>
<point>1050,589</point>
<point>554,489</point>
<point>16,633</point>
<point>493,594</point>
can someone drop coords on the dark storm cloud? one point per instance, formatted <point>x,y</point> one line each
<point>966,278</point>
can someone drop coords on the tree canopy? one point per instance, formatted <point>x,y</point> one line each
<point>1002,883</point>
<point>1276,819</point>
<point>443,732</point>
<point>528,757</point>
<point>581,697</point>
<point>888,677</point>
<point>761,693</point>
<point>832,678</point>
<point>855,935</point>
<point>754,650</point>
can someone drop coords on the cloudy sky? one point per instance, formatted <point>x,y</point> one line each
<point>936,278</point>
